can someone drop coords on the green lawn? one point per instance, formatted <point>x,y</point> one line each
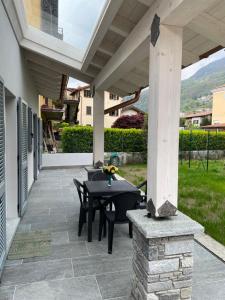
<point>201,193</point>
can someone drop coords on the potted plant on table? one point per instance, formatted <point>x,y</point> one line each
<point>110,171</point>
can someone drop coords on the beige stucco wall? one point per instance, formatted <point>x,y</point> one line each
<point>218,111</point>
<point>33,12</point>
<point>85,119</point>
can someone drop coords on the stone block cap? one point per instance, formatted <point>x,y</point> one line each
<point>163,227</point>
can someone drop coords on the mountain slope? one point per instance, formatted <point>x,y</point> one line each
<point>196,87</point>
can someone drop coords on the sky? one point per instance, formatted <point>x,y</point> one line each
<point>186,73</point>
<point>80,18</point>
<point>191,70</point>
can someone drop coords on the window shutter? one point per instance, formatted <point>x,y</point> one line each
<point>40,143</point>
<point>2,179</point>
<point>30,130</point>
<point>23,155</point>
<point>35,122</point>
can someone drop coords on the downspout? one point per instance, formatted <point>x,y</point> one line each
<point>65,79</point>
<point>124,104</point>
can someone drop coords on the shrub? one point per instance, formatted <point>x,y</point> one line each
<point>60,125</point>
<point>196,140</point>
<point>134,121</point>
<point>78,139</point>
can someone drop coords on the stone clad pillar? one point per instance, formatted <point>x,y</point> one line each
<point>98,124</point>
<point>163,256</point>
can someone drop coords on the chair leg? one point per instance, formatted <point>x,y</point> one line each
<point>110,237</point>
<point>93,218</point>
<point>104,227</point>
<point>81,220</point>
<point>130,230</point>
<point>85,218</point>
<point>101,224</point>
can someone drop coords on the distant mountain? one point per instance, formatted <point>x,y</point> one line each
<point>196,90</point>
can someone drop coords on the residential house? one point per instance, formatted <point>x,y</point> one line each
<point>78,103</point>
<point>131,110</point>
<point>218,109</point>
<point>196,119</point>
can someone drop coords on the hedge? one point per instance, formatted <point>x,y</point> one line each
<point>198,140</point>
<point>79,139</point>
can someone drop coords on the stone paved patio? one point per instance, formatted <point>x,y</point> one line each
<point>77,269</point>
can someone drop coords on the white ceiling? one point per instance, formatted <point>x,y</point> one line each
<point>118,55</point>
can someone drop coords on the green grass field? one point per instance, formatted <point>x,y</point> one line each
<point>201,193</point>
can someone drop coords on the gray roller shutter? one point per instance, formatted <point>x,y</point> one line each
<point>30,130</point>
<point>2,179</point>
<point>40,143</point>
<point>22,155</point>
<point>35,122</point>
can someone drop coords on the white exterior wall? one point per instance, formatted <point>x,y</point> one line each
<point>129,112</point>
<point>196,121</point>
<point>18,81</point>
<point>67,159</point>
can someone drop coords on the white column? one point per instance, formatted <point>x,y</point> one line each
<point>98,123</point>
<point>164,111</point>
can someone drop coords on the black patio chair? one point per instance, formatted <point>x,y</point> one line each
<point>122,203</point>
<point>142,204</point>
<point>84,205</point>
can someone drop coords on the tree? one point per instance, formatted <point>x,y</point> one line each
<point>126,121</point>
<point>182,122</point>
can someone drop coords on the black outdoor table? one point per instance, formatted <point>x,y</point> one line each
<point>100,188</point>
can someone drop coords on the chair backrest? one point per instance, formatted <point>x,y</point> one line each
<point>80,190</point>
<point>143,184</point>
<point>124,202</point>
<point>98,176</point>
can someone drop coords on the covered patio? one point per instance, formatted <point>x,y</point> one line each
<point>76,269</point>
<point>132,44</point>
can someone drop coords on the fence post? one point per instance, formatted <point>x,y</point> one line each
<point>207,157</point>
<point>181,148</point>
<point>190,148</point>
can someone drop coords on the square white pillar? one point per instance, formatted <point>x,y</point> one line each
<point>164,111</point>
<point>98,123</point>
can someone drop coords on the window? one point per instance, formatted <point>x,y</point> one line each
<point>113,97</point>
<point>195,122</point>
<point>114,113</point>
<point>87,93</point>
<point>88,110</point>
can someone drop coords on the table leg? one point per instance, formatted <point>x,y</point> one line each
<point>90,218</point>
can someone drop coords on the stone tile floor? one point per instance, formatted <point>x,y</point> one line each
<point>77,269</point>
